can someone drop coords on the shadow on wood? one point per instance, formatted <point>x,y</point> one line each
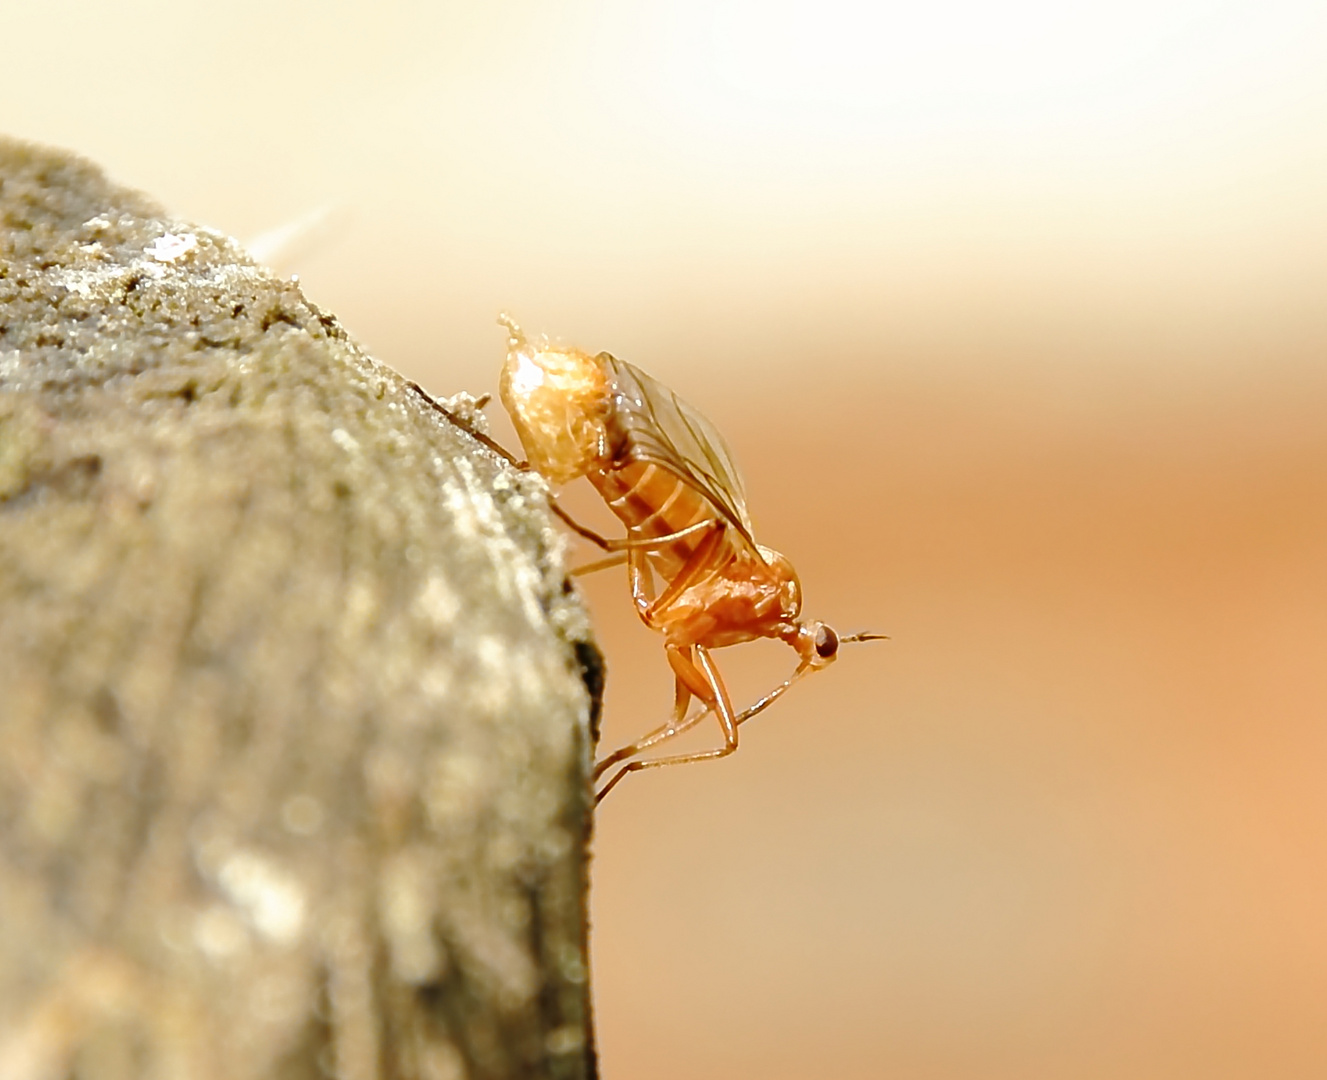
<point>294,721</point>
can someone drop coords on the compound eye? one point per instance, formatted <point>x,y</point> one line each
<point>827,642</point>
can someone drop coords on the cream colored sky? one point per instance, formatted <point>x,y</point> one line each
<point>698,184</point>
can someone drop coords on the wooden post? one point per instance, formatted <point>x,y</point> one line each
<point>295,705</point>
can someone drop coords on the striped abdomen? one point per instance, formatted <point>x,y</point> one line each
<point>651,500</point>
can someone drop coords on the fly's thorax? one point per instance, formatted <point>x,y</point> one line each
<point>790,589</point>
<point>743,598</point>
<point>558,401</point>
<point>816,643</point>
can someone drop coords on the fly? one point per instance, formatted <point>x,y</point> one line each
<point>697,574</point>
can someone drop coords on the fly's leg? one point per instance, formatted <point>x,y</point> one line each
<point>642,578</point>
<point>654,543</point>
<point>474,433</point>
<point>680,722</point>
<point>626,543</point>
<point>575,526</point>
<point>662,733</point>
<point>692,571</point>
<point>622,549</point>
<point>600,564</point>
<point>580,530</point>
<point>701,677</point>
<point>769,699</point>
<point>697,677</point>
<point>690,680</point>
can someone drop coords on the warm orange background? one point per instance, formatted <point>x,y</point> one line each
<point>1016,315</point>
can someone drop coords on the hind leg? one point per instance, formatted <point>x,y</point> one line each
<point>699,676</point>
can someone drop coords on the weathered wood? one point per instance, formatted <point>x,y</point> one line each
<point>295,704</point>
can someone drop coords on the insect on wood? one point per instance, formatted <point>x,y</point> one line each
<point>697,574</point>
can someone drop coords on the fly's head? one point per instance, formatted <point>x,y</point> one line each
<point>558,402</point>
<point>816,643</point>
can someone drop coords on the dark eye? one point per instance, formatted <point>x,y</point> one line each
<point>827,643</point>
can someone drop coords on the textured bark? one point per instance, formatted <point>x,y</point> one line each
<point>295,705</point>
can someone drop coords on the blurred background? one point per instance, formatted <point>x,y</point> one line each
<point>1016,317</point>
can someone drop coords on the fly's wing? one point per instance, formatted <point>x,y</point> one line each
<point>648,422</point>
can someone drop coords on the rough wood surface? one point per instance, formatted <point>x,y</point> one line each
<point>295,705</point>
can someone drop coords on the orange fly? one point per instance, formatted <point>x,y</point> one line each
<point>697,574</point>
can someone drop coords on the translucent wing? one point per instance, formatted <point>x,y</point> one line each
<point>648,422</point>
